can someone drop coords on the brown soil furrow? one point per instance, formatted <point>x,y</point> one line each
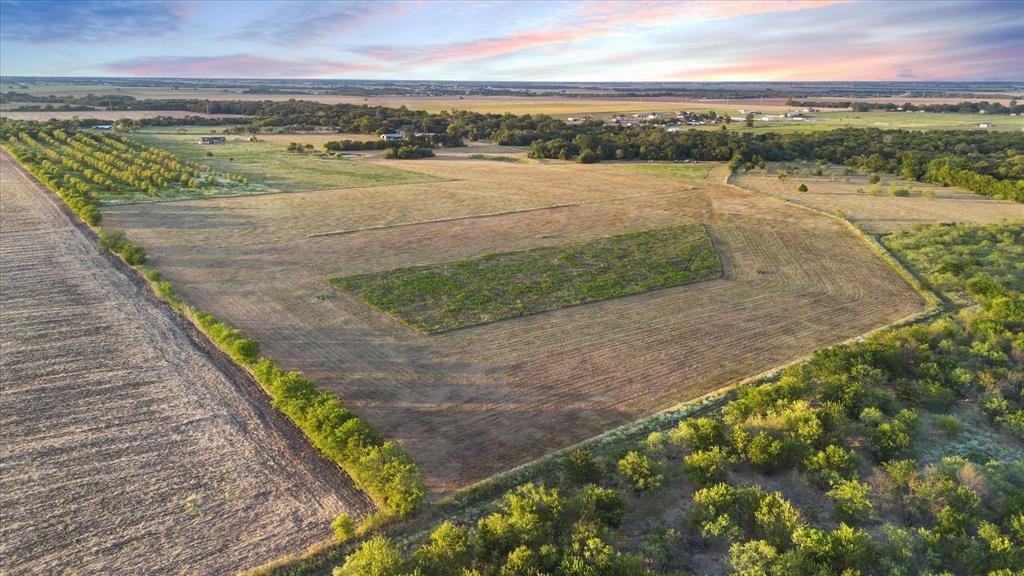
<point>128,446</point>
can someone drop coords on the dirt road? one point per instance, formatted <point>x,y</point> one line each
<point>124,447</point>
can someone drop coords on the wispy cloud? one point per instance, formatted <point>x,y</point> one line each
<point>234,66</point>
<point>662,12</point>
<point>302,24</point>
<point>592,20</point>
<point>63,21</point>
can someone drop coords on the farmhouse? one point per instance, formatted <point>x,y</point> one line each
<point>392,136</point>
<point>212,139</point>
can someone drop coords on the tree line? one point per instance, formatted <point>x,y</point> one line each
<point>1013,107</point>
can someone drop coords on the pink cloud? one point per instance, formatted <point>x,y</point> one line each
<point>593,20</point>
<point>655,12</point>
<point>481,48</point>
<point>234,66</point>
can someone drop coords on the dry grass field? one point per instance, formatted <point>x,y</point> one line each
<point>883,212</point>
<point>480,400</point>
<point>125,448</point>
<point>105,115</point>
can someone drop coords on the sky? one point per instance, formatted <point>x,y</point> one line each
<point>638,40</point>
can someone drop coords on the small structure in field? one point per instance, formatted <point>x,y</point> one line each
<point>212,139</point>
<point>985,125</point>
<point>103,127</point>
<point>392,136</point>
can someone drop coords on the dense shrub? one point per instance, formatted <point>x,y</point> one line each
<point>706,466</point>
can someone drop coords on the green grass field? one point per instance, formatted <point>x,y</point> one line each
<point>884,120</point>
<point>495,287</point>
<point>688,171</point>
<point>274,169</point>
<point>499,158</point>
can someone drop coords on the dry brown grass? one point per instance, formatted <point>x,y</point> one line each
<point>473,402</point>
<point>105,115</point>
<point>126,449</point>
<point>883,212</point>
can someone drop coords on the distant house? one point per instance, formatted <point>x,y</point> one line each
<point>392,136</point>
<point>103,127</point>
<point>985,125</point>
<point>212,139</point>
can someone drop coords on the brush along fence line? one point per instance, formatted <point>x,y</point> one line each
<point>383,469</point>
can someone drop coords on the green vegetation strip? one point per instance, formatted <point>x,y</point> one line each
<point>494,287</point>
<point>384,470</point>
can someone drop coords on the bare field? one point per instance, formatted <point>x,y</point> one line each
<point>480,400</point>
<point>105,115</point>
<point>126,449</point>
<point>884,212</point>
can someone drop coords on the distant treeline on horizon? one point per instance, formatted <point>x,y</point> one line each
<point>902,89</point>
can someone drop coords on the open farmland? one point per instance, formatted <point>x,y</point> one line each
<point>269,163</point>
<point>495,287</point>
<point>875,209</point>
<point>126,448</point>
<point>473,402</point>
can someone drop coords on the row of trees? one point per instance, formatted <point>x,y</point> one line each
<point>101,163</point>
<point>986,163</point>
<point>984,107</point>
<point>382,469</point>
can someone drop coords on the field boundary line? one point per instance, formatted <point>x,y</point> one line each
<point>438,220</point>
<point>269,193</point>
<point>933,301</point>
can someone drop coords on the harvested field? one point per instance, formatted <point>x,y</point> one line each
<point>105,115</point>
<point>127,449</point>
<point>883,212</point>
<point>473,402</point>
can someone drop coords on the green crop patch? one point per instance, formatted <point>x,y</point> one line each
<point>463,293</point>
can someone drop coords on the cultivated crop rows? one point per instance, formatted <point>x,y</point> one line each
<point>481,400</point>
<point>126,449</point>
<point>107,167</point>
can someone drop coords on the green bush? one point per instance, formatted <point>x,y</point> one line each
<point>830,465</point>
<point>597,504</point>
<point>852,500</point>
<point>133,255</point>
<point>581,468</point>
<point>706,466</point>
<point>344,527</point>
<point>640,472</point>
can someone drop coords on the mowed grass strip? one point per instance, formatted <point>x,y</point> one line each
<point>463,293</point>
<point>272,168</point>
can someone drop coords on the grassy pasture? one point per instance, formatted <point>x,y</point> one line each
<point>274,168</point>
<point>885,120</point>
<point>666,170</point>
<point>494,287</point>
<point>872,206</point>
<point>498,158</point>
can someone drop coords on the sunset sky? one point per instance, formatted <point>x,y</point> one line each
<point>505,40</point>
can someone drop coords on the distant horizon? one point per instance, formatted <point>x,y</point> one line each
<point>615,41</point>
<point>9,77</point>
